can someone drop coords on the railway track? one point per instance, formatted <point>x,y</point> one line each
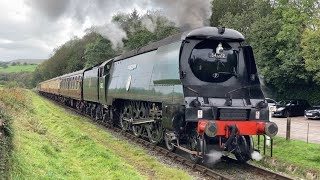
<point>205,171</point>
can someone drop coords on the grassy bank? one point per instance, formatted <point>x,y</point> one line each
<point>19,68</point>
<point>50,143</point>
<point>294,157</point>
<point>5,143</point>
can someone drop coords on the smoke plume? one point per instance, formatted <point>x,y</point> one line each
<point>185,13</point>
<point>113,32</point>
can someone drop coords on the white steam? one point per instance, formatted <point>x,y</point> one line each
<point>256,156</point>
<point>113,32</point>
<point>213,157</point>
<point>148,23</point>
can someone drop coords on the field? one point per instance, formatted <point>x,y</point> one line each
<point>52,143</point>
<point>18,68</point>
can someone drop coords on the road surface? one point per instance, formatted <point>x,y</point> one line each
<point>299,128</point>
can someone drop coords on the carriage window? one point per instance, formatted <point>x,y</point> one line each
<point>73,83</point>
<point>107,68</point>
<point>76,83</point>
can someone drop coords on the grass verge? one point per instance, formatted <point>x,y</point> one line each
<point>5,143</point>
<point>50,143</point>
<point>294,157</point>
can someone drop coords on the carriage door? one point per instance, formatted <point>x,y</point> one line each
<point>101,93</point>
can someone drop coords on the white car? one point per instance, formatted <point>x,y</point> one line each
<point>271,104</point>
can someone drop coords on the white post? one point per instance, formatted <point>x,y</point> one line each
<point>270,119</point>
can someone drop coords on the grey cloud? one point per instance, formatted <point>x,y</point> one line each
<point>51,8</point>
<point>47,21</point>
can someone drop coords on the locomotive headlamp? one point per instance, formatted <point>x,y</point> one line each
<point>221,30</point>
<point>211,129</point>
<point>219,49</point>
<point>271,129</point>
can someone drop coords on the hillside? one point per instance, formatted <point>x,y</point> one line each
<point>28,61</point>
<point>18,68</point>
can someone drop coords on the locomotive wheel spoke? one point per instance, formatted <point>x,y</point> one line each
<point>123,123</point>
<point>137,130</point>
<point>126,114</point>
<point>168,142</point>
<point>195,144</point>
<point>155,133</point>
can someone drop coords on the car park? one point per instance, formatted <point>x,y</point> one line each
<point>312,112</point>
<point>295,107</point>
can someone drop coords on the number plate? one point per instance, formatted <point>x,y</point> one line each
<point>309,114</point>
<point>200,114</point>
<point>257,114</point>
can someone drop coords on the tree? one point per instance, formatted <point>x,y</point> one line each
<point>98,52</point>
<point>243,19</point>
<point>311,52</point>
<point>220,8</point>
<point>138,33</point>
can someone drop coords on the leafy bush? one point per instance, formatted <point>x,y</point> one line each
<point>308,92</point>
<point>14,98</point>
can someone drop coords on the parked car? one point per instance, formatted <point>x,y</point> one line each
<point>295,107</point>
<point>312,112</point>
<point>271,104</point>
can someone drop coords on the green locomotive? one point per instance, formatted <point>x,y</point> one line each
<point>197,91</point>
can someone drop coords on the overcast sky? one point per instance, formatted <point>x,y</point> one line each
<point>31,29</point>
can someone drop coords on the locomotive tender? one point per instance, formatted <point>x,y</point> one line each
<point>197,91</point>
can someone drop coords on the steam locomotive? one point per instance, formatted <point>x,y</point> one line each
<point>197,91</point>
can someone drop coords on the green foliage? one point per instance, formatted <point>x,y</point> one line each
<point>140,34</point>
<point>285,47</point>
<point>98,52</point>
<point>311,51</point>
<point>19,79</point>
<point>221,8</point>
<point>14,98</point>
<point>139,39</point>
